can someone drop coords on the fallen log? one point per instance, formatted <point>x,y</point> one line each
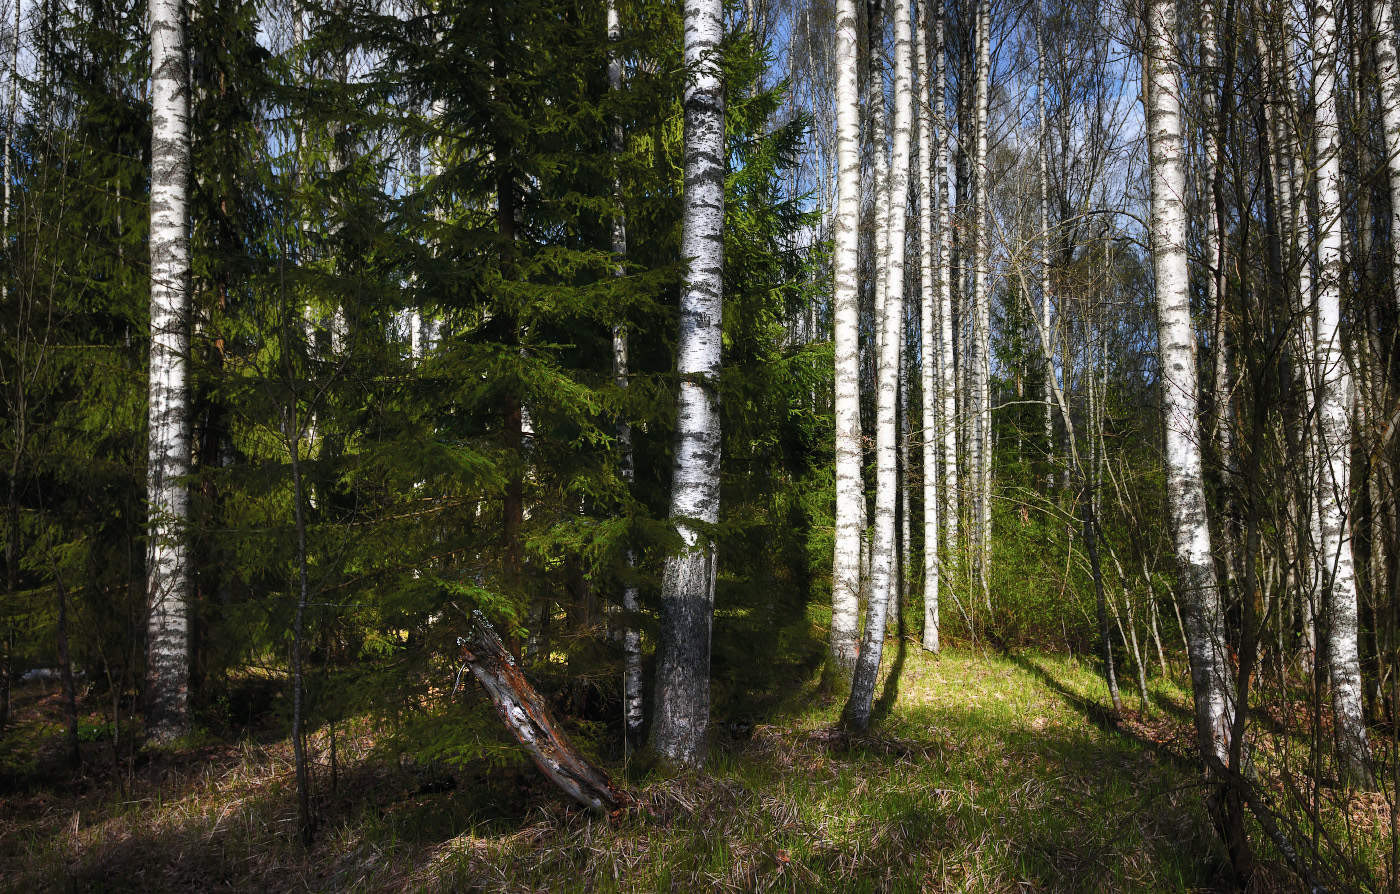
<point>525,715</point>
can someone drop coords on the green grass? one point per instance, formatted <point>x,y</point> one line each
<point>982,773</point>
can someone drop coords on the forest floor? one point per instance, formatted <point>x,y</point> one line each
<point>982,773</point>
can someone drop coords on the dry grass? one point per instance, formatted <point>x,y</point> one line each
<point>982,774</point>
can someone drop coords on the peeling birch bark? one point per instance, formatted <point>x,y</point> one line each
<point>524,713</point>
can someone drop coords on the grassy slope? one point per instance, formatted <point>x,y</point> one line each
<point>984,773</point>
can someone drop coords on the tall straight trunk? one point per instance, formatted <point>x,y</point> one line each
<point>688,583</point>
<point>168,576</point>
<point>879,135</point>
<point>294,432</point>
<point>899,583</point>
<point>11,117</point>
<point>1211,680</point>
<point>1388,73</point>
<point>1089,517</point>
<point>928,353</point>
<point>1333,419</point>
<point>632,715</point>
<point>1089,521</point>
<point>12,503</point>
<point>1304,308</point>
<point>850,490</point>
<point>1212,159</point>
<point>512,412</point>
<point>857,712</point>
<point>73,754</point>
<point>982,427</point>
<point>1043,157</point>
<point>948,379</point>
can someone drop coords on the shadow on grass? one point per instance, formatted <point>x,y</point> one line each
<point>890,693</point>
<point>965,800</point>
<point>1014,805</point>
<point>1171,706</point>
<point>1101,715</point>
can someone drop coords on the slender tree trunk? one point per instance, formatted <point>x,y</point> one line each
<point>929,353</point>
<point>1333,420</point>
<point>982,427</point>
<point>1304,307</point>
<point>631,604</point>
<point>948,379</point>
<point>168,576</point>
<point>65,669</point>
<point>880,136</point>
<point>688,584</point>
<point>1388,73</point>
<point>10,117</point>
<point>858,706</point>
<point>1042,156</point>
<point>1212,159</point>
<point>12,504</point>
<point>899,582</point>
<point>304,818</point>
<point>1089,516</point>
<point>1212,682</point>
<point>850,496</point>
<point>1152,617</point>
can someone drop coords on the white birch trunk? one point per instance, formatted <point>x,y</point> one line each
<point>1333,420</point>
<point>631,604</point>
<point>1305,347</point>
<point>850,496</point>
<point>1388,74</point>
<point>857,713</point>
<point>1211,160</point>
<point>11,116</point>
<point>928,352</point>
<point>899,583</point>
<point>879,140</point>
<point>688,585</point>
<point>981,396</point>
<point>1211,679</point>
<point>168,460</point>
<point>948,378</point>
<point>1045,300</point>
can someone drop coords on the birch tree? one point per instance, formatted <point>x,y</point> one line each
<point>948,379</point>
<point>1211,683</point>
<point>12,503</point>
<point>1333,420</point>
<point>857,711</point>
<point>168,577</point>
<point>928,352</point>
<point>688,584</point>
<point>1042,159</point>
<point>631,604</point>
<point>982,318</point>
<point>850,496</point>
<point>1388,74</point>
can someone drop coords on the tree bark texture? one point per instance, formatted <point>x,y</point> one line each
<point>1211,680</point>
<point>850,496</point>
<point>688,584</point>
<point>1388,74</point>
<point>981,326</point>
<point>928,353</point>
<point>631,603</point>
<point>858,706</point>
<point>948,379</point>
<point>168,578</point>
<point>527,717</point>
<point>1333,419</point>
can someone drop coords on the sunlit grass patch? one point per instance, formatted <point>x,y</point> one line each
<point>981,773</point>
